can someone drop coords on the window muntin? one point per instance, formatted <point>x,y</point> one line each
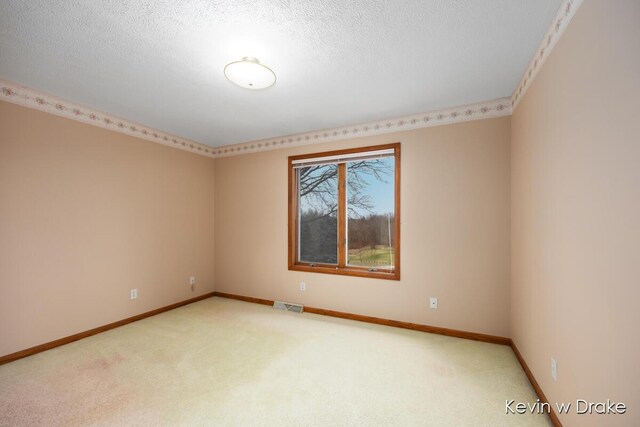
<point>343,207</point>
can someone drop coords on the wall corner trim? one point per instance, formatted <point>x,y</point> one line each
<point>560,22</point>
<point>534,383</point>
<point>30,98</point>
<point>75,337</point>
<point>464,113</point>
<point>380,321</point>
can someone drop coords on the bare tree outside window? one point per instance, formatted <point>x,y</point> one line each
<point>370,214</point>
<point>318,206</point>
<point>344,207</point>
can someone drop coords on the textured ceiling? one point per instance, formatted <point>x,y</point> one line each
<point>160,62</point>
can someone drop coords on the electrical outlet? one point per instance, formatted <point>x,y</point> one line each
<point>192,280</point>
<point>433,302</point>
<point>303,286</point>
<point>134,293</point>
<point>554,369</point>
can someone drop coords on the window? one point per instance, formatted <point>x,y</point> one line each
<point>344,211</point>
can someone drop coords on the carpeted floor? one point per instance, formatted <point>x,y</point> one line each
<point>229,363</point>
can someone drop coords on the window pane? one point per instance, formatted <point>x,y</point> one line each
<point>371,213</point>
<point>317,213</point>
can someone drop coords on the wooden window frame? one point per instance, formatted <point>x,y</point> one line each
<point>342,268</point>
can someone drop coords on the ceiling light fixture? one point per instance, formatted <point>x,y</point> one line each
<point>250,74</point>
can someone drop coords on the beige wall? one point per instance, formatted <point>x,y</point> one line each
<point>455,231</point>
<point>548,200</point>
<point>576,214</point>
<point>86,214</point>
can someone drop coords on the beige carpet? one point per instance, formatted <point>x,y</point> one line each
<point>223,362</point>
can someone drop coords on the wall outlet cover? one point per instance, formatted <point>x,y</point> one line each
<point>433,302</point>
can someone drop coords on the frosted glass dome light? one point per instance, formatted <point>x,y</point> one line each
<point>249,73</point>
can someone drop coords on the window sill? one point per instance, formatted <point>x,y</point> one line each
<point>347,271</point>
